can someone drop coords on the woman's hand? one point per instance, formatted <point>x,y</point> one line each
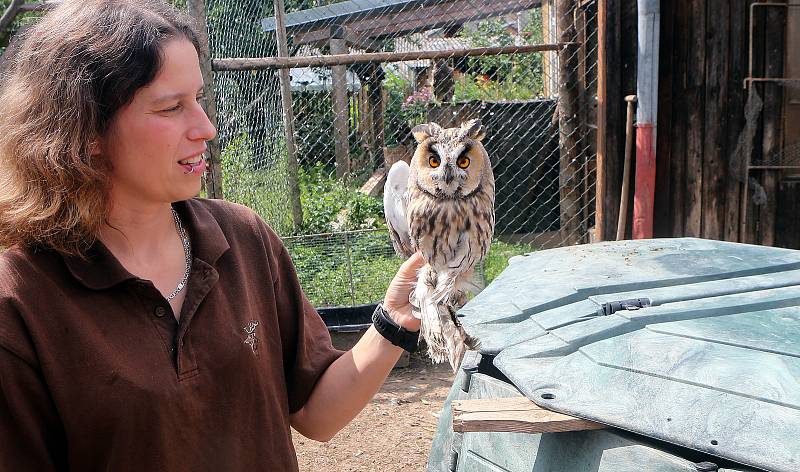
<point>396,300</point>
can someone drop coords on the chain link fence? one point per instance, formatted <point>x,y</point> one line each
<point>463,59</point>
<point>538,109</point>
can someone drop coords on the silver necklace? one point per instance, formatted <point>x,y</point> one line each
<point>187,255</point>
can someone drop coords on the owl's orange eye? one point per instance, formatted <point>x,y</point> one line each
<point>434,161</point>
<point>463,162</point>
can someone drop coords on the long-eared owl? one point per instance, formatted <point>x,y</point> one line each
<point>443,206</point>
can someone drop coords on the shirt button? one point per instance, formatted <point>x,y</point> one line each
<point>160,311</point>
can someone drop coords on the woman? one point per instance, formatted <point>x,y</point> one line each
<point>141,328</point>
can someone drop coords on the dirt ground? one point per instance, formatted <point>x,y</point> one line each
<point>393,433</point>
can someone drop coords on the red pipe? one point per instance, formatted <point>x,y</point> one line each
<point>644,197</point>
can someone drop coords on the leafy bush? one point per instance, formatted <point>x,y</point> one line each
<point>264,190</point>
<point>504,77</point>
<point>329,205</point>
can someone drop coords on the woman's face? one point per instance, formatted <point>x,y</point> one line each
<point>156,142</point>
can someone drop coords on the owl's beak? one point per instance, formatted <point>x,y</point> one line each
<point>448,175</point>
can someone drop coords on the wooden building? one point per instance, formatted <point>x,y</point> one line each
<point>728,134</point>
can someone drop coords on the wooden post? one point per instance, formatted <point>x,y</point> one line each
<point>341,111</point>
<point>774,44</point>
<point>569,127</point>
<point>213,181</point>
<point>696,116</point>
<point>609,111</point>
<point>374,81</point>
<point>288,117</point>
<point>736,99</point>
<point>602,71</point>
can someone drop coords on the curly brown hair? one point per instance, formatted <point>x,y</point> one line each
<point>69,75</point>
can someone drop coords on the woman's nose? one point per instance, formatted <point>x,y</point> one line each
<point>202,128</point>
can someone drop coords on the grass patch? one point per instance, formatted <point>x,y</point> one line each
<point>499,254</point>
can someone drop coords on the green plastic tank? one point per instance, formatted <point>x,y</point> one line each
<point>688,349</point>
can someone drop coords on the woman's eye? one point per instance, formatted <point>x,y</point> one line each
<point>171,109</point>
<point>463,162</point>
<point>434,161</point>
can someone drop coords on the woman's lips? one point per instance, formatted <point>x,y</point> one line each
<point>197,167</point>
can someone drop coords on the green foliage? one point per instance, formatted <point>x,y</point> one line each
<point>505,77</point>
<point>329,205</point>
<point>395,123</point>
<point>264,190</point>
<point>497,260</point>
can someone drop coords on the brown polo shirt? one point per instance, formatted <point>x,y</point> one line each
<point>96,373</point>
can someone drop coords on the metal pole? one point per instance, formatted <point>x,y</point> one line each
<point>197,10</point>
<point>288,116</point>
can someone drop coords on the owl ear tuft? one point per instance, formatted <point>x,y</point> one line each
<point>473,129</point>
<point>423,132</point>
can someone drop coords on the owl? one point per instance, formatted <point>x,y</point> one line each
<point>443,206</point>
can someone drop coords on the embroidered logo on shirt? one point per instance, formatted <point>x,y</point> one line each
<point>251,339</point>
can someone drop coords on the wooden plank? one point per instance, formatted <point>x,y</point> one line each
<point>749,230</point>
<point>715,122</point>
<point>774,42</point>
<point>695,121</point>
<point>663,197</point>
<point>609,177</point>
<point>787,224</point>
<point>679,105</point>
<point>735,112</point>
<point>513,415</point>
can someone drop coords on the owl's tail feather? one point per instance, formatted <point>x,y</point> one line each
<point>452,286</point>
<point>443,334</point>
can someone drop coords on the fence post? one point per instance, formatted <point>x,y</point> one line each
<point>288,117</point>
<point>341,109</point>
<point>197,10</point>
<point>568,123</point>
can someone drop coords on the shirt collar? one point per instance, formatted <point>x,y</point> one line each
<point>101,270</point>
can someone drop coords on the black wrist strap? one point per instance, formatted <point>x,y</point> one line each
<point>394,333</point>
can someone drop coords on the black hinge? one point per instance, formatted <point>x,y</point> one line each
<point>609,308</point>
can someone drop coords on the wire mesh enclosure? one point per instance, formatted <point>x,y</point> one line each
<point>360,74</point>
<point>407,62</point>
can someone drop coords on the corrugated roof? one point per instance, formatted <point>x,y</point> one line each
<point>314,18</point>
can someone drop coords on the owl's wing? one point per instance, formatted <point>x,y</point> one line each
<point>395,201</point>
